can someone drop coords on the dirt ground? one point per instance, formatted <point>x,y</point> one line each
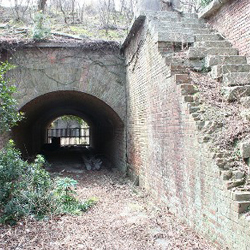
<point>124,218</point>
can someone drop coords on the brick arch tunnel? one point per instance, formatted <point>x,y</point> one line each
<point>107,128</point>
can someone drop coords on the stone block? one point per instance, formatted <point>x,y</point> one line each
<point>220,163</point>
<point>245,114</point>
<point>238,175</point>
<point>218,70</point>
<point>241,196</point>
<point>206,138</point>
<point>168,24</point>
<point>201,52</point>
<point>212,60</point>
<point>181,78</point>
<point>175,37</point>
<point>188,98</point>
<point>188,89</point>
<point>245,101</point>
<point>226,175</point>
<point>173,18</point>
<point>236,79</point>
<point>205,31</point>
<point>245,149</point>
<point>199,124</point>
<point>208,37</point>
<point>234,183</point>
<point>235,93</point>
<point>241,206</point>
<point>193,109</point>
<point>214,44</point>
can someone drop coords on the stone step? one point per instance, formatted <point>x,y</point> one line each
<point>203,31</point>
<point>188,89</point>
<point>171,13</point>
<point>181,78</point>
<point>208,37</point>
<point>192,15</point>
<point>177,69</point>
<point>182,65</point>
<point>174,37</point>
<point>218,70</point>
<point>235,93</point>
<point>175,18</point>
<point>212,60</point>
<point>201,52</point>
<point>164,14</point>
<point>241,196</point>
<point>175,29</point>
<point>157,14</point>
<point>177,35</point>
<point>241,206</point>
<point>207,44</point>
<point>180,25</point>
<point>236,79</point>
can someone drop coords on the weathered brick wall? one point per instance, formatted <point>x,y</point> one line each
<point>44,70</point>
<point>165,150</point>
<point>233,21</point>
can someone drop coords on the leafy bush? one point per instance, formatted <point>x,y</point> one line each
<point>68,203</point>
<point>28,190</point>
<point>40,31</point>
<point>205,2</point>
<point>9,116</point>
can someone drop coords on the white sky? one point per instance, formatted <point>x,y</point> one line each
<point>9,3</point>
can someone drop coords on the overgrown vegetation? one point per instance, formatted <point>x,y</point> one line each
<point>71,119</point>
<point>100,19</point>
<point>40,29</point>
<point>205,2</point>
<point>8,105</point>
<point>27,189</point>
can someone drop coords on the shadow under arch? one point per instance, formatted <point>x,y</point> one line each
<point>108,131</point>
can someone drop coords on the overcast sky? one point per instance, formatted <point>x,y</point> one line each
<point>9,3</point>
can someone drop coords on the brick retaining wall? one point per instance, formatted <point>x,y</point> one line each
<point>165,150</point>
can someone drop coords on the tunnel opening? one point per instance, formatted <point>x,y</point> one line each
<point>102,132</point>
<point>68,130</point>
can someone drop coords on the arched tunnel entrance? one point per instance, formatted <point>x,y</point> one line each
<point>107,128</point>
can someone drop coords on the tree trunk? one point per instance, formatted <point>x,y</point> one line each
<point>41,5</point>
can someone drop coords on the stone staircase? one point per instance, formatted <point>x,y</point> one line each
<point>208,50</point>
<point>226,65</point>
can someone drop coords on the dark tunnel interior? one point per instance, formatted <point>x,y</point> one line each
<point>107,129</point>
